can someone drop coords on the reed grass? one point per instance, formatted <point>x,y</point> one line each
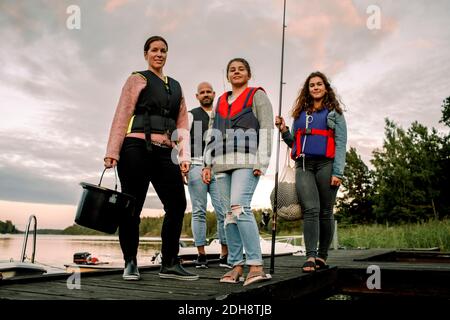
<point>430,234</point>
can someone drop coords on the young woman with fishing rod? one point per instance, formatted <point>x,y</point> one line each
<point>318,141</point>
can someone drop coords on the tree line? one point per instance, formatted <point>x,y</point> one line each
<point>151,226</point>
<point>8,227</point>
<point>410,179</point>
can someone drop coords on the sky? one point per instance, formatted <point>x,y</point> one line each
<point>63,64</point>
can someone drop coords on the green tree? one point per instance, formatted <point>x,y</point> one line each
<point>406,174</point>
<point>355,206</point>
<point>76,229</point>
<point>446,112</point>
<point>7,227</point>
<point>443,204</point>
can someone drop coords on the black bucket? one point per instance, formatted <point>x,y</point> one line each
<point>101,209</point>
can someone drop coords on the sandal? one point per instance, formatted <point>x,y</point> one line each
<point>256,276</point>
<point>232,276</point>
<point>320,264</point>
<point>309,264</point>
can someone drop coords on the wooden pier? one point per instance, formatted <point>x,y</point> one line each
<point>410,274</point>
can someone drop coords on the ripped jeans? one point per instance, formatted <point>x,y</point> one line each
<point>236,189</point>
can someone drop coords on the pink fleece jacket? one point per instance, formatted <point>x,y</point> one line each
<point>125,110</point>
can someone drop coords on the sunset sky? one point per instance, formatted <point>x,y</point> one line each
<point>60,86</point>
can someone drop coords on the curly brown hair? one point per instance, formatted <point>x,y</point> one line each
<point>304,100</point>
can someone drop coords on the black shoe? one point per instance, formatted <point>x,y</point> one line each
<point>223,262</point>
<point>201,261</point>
<point>176,271</point>
<point>131,271</point>
<point>321,264</point>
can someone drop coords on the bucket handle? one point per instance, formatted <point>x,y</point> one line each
<point>115,174</point>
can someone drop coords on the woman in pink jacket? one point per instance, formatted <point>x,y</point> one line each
<point>150,127</point>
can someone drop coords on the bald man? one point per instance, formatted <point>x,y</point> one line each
<point>201,119</point>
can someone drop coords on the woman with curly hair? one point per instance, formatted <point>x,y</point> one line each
<point>318,141</point>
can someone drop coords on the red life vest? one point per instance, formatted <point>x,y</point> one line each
<point>245,100</point>
<point>234,117</point>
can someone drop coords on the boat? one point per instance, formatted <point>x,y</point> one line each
<point>285,245</point>
<point>11,269</point>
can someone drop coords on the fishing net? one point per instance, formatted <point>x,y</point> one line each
<point>288,206</point>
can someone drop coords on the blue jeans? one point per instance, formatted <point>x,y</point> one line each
<point>317,199</point>
<point>199,192</point>
<point>236,189</point>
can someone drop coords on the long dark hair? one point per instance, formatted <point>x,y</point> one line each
<point>304,100</point>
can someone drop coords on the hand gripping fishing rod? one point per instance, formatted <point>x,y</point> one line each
<point>275,200</point>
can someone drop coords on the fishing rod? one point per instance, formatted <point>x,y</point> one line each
<point>275,200</point>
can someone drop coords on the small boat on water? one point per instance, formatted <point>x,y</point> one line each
<point>85,262</point>
<point>13,269</point>
<point>283,246</point>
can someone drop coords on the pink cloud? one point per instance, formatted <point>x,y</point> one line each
<point>170,20</point>
<point>112,5</point>
<point>422,43</point>
<point>316,25</point>
<point>315,31</point>
<point>347,13</point>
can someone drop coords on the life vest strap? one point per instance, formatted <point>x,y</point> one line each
<point>298,139</point>
<point>320,132</point>
<point>247,98</point>
<point>329,133</point>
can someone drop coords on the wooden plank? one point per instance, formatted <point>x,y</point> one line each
<point>348,274</point>
<point>25,295</point>
<point>87,291</point>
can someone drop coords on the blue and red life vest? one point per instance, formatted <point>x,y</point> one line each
<point>237,123</point>
<point>312,137</point>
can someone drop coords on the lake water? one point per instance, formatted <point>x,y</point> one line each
<point>57,250</point>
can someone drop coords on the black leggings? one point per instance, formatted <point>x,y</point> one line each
<point>137,168</point>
